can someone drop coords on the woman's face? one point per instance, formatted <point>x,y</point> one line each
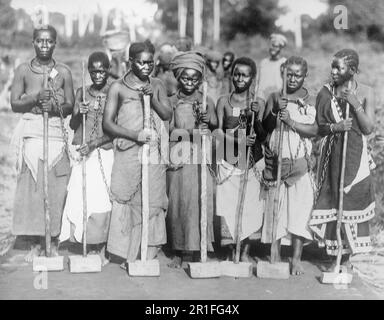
<point>98,73</point>
<point>189,80</point>
<point>142,65</point>
<point>242,77</point>
<point>295,77</point>
<point>340,71</point>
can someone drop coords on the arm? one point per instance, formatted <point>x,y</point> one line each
<point>364,111</point>
<point>160,102</point>
<point>20,102</point>
<point>67,105</point>
<point>110,113</point>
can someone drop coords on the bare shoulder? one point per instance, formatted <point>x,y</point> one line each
<point>222,100</point>
<point>116,86</point>
<point>22,68</point>
<point>63,68</point>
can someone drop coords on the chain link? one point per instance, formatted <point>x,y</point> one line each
<point>63,129</point>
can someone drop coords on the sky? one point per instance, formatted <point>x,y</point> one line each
<point>147,10</point>
<point>311,7</point>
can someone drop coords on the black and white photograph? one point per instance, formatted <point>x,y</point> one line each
<point>198,150</point>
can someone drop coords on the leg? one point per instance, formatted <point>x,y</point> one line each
<point>275,251</point>
<point>245,254</point>
<point>297,243</point>
<point>152,252</point>
<point>196,257</point>
<point>229,252</point>
<point>55,247</point>
<point>35,249</point>
<point>177,260</point>
<point>104,259</point>
<point>346,262</point>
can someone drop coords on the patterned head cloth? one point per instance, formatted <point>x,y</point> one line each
<point>278,39</point>
<point>187,60</point>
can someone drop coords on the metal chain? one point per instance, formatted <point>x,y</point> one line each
<point>325,166</point>
<point>63,129</point>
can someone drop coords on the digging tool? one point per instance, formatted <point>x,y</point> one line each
<point>144,267</point>
<point>276,269</point>
<point>84,263</point>
<point>47,263</point>
<point>339,275</point>
<point>204,269</point>
<point>236,268</point>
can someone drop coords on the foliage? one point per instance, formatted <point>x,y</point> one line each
<point>247,17</point>
<point>7,22</point>
<point>364,17</point>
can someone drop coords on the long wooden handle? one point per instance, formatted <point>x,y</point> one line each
<point>84,170</point>
<point>145,183</point>
<point>274,246</point>
<point>243,190</point>
<point>45,173</point>
<point>203,219</point>
<point>341,193</point>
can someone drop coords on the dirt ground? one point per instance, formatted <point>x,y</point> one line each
<point>18,281</point>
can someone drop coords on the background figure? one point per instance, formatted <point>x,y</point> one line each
<point>269,77</point>
<point>162,68</point>
<point>116,43</point>
<point>214,74</point>
<point>227,62</point>
<point>183,44</point>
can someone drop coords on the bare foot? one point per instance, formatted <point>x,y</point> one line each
<point>124,266</point>
<point>104,260</point>
<point>54,251</point>
<point>245,257</point>
<point>35,252</point>
<point>297,268</point>
<point>175,263</point>
<point>152,252</point>
<point>275,252</point>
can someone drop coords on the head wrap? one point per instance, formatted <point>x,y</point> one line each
<point>213,55</point>
<point>278,39</point>
<point>187,60</point>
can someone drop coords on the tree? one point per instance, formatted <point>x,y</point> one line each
<point>7,22</point>
<point>237,16</point>
<point>364,16</point>
<point>250,17</point>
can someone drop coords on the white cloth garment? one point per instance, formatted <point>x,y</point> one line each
<point>97,195</point>
<point>227,195</point>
